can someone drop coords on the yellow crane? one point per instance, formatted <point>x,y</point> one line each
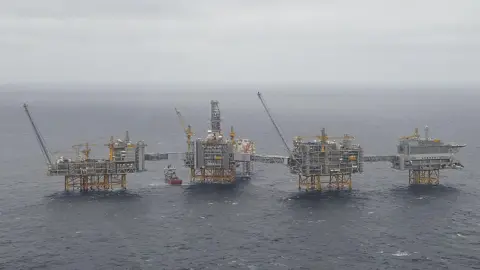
<point>110,148</point>
<point>324,138</point>
<point>232,135</point>
<point>86,151</point>
<point>187,129</point>
<point>415,135</point>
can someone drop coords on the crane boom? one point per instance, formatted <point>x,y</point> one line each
<point>273,122</point>
<point>186,129</point>
<point>182,121</point>
<point>39,137</point>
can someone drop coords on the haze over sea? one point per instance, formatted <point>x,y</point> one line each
<point>261,224</point>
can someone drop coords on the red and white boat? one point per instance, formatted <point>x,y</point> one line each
<point>171,176</point>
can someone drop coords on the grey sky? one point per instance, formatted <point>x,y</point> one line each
<point>368,41</point>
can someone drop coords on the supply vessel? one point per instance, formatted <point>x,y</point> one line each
<point>171,176</point>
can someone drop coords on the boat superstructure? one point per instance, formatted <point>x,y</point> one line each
<point>170,173</point>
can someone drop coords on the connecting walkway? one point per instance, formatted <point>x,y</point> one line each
<point>256,158</point>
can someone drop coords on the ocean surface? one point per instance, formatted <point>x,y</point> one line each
<point>264,223</point>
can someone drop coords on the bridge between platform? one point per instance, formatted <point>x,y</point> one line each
<point>255,157</point>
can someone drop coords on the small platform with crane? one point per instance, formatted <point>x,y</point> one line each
<point>321,158</point>
<point>87,174</point>
<point>425,157</point>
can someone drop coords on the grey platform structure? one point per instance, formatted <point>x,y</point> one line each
<point>425,157</point>
<point>215,159</point>
<point>328,162</point>
<point>422,157</point>
<point>323,163</point>
<point>86,174</point>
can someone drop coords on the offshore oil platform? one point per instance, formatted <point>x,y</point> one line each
<point>425,157</point>
<point>84,173</point>
<point>322,163</point>
<point>216,159</point>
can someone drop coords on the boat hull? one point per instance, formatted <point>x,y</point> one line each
<point>175,182</point>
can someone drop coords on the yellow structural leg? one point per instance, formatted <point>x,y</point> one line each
<point>424,177</point>
<point>124,181</point>
<point>86,183</point>
<point>67,185</point>
<point>334,181</point>
<point>213,176</point>
<point>105,181</point>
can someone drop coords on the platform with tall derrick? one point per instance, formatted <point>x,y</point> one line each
<point>216,159</point>
<point>322,163</point>
<point>425,157</point>
<point>84,173</point>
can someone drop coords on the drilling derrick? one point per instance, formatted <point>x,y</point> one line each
<point>215,117</point>
<point>87,174</point>
<point>324,162</point>
<point>425,157</point>
<point>211,160</point>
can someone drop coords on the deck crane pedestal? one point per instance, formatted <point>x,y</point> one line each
<point>321,164</point>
